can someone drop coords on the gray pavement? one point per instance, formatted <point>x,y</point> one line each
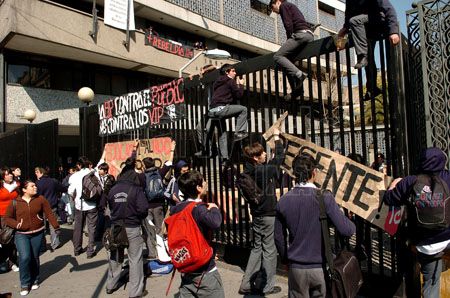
<point>63,275</point>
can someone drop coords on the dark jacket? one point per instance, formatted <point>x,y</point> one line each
<point>51,189</point>
<point>432,162</point>
<point>226,91</point>
<point>382,15</point>
<point>30,214</point>
<point>127,201</point>
<point>293,19</point>
<point>298,212</point>
<point>265,176</point>
<point>207,221</point>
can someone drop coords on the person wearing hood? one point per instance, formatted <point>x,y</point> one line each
<point>429,245</point>
<point>226,90</point>
<point>173,194</point>
<point>263,256</point>
<point>129,207</point>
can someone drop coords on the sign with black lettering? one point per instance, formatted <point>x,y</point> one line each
<point>356,187</point>
<point>116,153</point>
<point>156,105</point>
<point>168,46</point>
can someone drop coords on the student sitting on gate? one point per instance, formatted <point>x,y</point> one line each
<point>204,280</point>
<point>426,197</point>
<point>380,18</point>
<point>226,90</point>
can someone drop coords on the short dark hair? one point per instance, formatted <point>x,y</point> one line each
<point>41,170</point>
<point>83,162</point>
<point>255,149</point>
<point>188,183</point>
<point>104,166</point>
<point>226,68</point>
<point>272,2</point>
<point>303,166</point>
<point>130,164</point>
<point>149,162</point>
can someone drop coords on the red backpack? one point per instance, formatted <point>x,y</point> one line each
<point>188,248</point>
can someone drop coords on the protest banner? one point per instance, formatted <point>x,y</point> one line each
<point>356,187</point>
<point>156,148</point>
<point>167,45</point>
<point>156,105</point>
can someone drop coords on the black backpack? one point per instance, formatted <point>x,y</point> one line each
<point>249,189</point>
<point>429,206</point>
<point>154,187</point>
<point>91,188</point>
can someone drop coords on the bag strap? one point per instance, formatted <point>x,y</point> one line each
<point>325,231</point>
<point>14,202</point>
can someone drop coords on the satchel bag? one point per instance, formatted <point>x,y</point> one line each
<point>115,237</point>
<point>344,272</point>
<point>6,232</point>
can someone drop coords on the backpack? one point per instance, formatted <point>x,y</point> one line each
<point>249,189</point>
<point>429,206</point>
<point>154,188</point>
<point>188,248</point>
<point>91,190</point>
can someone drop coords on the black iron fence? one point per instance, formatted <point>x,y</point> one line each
<point>31,146</point>
<point>333,112</point>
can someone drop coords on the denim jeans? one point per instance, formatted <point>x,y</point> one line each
<point>29,246</point>
<point>431,270</point>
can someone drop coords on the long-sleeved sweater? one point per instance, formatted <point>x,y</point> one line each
<point>30,215</point>
<point>127,202</point>
<point>382,15</point>
<point>265,176</point>
<point>226,91</point>
<point>298,212</point>
<point>293,19</point>
<point>5,198</point>
<point>50,189</point>
<point>207,221</point>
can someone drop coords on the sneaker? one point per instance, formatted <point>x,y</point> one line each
<point>35,286</point>
<point>245,292</point>
<point>15,268</point>
<point>275,290</point>
<point>24,291</point>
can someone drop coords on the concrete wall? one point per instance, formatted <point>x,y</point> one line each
<point>48,104</point>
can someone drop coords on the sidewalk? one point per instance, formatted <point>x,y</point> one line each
<point>63,275</point>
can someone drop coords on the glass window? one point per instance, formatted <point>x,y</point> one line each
<point>19,74</point>
<point>40,77</point>
<point>102,83</point>
<point>118,84</point>
<point>261,7</point>
<point>327,8</point>
<point>61,78</point>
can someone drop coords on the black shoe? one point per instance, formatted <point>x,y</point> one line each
<point>275,289</point>
<point>368,96</point>
<point>110,291</point>
<point>362,62</point>
<point>90,256</point>
<point>240,136</point>
<point>245,292</point>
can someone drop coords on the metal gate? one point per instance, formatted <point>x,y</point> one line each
<point>332,113</point>
<point>429,76</point>
<point>31,146</point>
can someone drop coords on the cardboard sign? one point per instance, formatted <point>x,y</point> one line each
<point>117,153</point>
<point>156,105</point>
<point>168,46</point>
<point>356,187</point>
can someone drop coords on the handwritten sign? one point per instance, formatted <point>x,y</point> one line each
<point>356,187</point>
<point>160,104</point>
<point>117,153</point>
<point>168,46</point>
<point>116,12</point>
